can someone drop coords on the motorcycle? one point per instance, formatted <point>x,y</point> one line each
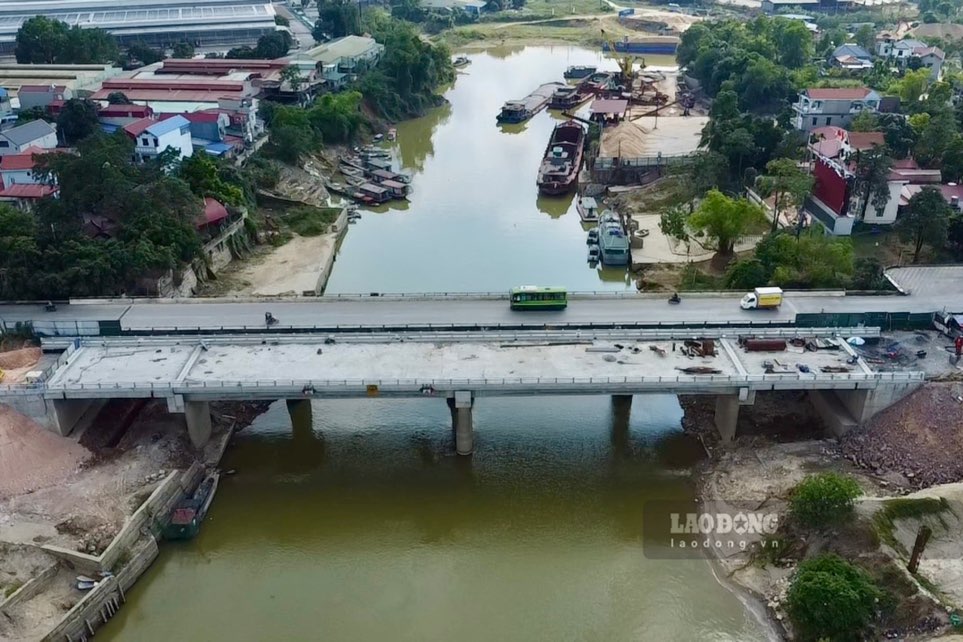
<point>269,319</point>
<point>675,298</point>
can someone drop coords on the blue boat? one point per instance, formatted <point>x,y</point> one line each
<point>665,45</point>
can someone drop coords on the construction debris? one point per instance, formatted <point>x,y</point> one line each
<point>656,349</point>
<point>762,345</point>
<point>699,370</point>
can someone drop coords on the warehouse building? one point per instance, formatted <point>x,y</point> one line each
<point>208,24</point>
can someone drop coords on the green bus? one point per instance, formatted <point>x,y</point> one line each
<point>532,297</point>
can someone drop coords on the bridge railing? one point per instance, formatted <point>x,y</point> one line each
<point>425,385</point>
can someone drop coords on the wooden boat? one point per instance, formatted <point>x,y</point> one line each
<point>579,71</point>
<point>352,171</point>
<point>352,161</point>
<point>381,175</point>
<point>186,518</point>
<point>518,111</point>
<point>558,172</point>
<point>588,209</point>
<point>87,585</point>
<point>377,163</point>
<point>461,61</point>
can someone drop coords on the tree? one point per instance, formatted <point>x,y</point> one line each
<point>899,134</point>
<point>864,122</point>
<point>337,117</point>
<point>925,220</point>
<point>142,53</point>
<point>118,98</point>
<point>673,223</point>
<point>34,113</point>
<point>831,599</point>
<point>746,274</point>
<point>868,274</point>
<point>77,120</point>
<point>823,499</point>
<point>872,179</point>
<point>938,133</point>
<point>183,49</point>
<point>795,43</point>
<point>913,86</point>
<point>292,76</point>
<point>337,18</point>
<point>787,182</point>
<point>282,21</point>
<point>40,40</point>
<point>725,220</point>
<point>206,176</point>
<point>866,37</point>
<point>273,45</point>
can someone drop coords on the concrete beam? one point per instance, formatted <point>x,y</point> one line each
<point>726,417</point>
<point>198,415</point>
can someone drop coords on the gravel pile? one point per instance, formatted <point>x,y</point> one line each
<point>920,437</point>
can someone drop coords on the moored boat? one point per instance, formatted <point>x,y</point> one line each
<point>613,242</point>
<point>645,45</point>
<point>518,111</point>
<point>461,61</point>
<point>579,71</point>
<point>569,97</point>
<point>588,209</point>
<point>186,518</point>
<point>558,172</point>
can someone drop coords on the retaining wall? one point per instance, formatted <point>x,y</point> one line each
<point>33,587</point>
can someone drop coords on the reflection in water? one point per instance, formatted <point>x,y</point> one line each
<point>388,536</point>
<point>475,221</point>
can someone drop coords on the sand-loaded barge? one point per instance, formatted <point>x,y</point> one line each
<point>518,111</point>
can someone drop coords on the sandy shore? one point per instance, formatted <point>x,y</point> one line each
<point>293,268</point>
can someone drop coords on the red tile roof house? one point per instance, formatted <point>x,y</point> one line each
<point>824,107</point>
<point>19,184</point>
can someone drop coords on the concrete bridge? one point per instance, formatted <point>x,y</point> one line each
<point>190,372</point>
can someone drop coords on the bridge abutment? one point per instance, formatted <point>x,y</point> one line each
<point>198,416</point>
<point>727,415</point>
<point>461,406</point>
<point>68,413</point>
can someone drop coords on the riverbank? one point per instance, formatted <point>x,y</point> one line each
<point>782,441</point>
<point>94,506</point>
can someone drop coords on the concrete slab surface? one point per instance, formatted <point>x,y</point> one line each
<point>931,280</point>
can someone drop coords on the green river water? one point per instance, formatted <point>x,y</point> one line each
<point>359,524</point>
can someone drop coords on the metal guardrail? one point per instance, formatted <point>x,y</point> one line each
<point>482,336</point>
<point>561,384</point>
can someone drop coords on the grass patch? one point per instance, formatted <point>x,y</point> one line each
<point>13,588</point>
<point>903,508</point>
<point>695,280</point>
<point>310,221</point>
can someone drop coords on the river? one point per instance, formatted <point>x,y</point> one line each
<point>357,522</point>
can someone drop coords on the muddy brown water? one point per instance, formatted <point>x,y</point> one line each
<point>357,522</point>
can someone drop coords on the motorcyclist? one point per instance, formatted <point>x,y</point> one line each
<point>269,318</point>
<point>675,298</point>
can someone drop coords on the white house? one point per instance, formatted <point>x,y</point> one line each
<point>822,107</point>
<point>152,137</point>
<point>36,133</point>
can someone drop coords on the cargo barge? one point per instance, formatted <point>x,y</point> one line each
<point>666,45</point>
<point>563,159</point>
<point>518,111</point>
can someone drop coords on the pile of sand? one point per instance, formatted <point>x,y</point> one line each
<point>625,140</point>
<point>19,358</point>
<point>32,457</point>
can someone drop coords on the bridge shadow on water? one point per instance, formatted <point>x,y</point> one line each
<point>539,463</point>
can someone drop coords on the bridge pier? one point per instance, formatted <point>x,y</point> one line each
<point>460,406</point>
<point>68,413</point>
<point>198,416</point>
<point>621,414</point>
<point>727,414</point>
<point>301,417</point>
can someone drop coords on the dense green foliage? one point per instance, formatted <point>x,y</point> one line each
<point>334,118</point>
<point>823,499</point>
<point>925,220</point>
<point>831,599</point>
<point>813,260</point>
<point>336,18</point>
<point>405,80</point>
<point>183,49</point>
<point>77,120</point>
<point>142,53</point>
<point>42,40</point>
<point>270,46</point>
<point>311,221</point>
<point>147,216</point>
<point>208,176</point>
<point>722,220</point>
<point>755,56</point>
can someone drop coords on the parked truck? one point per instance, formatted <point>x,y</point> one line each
<point>761,298</point>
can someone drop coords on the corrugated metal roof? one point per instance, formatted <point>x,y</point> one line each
<point>28,132</point>
<point>169,125</point>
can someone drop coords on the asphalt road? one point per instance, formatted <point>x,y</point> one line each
<point>328,313</point>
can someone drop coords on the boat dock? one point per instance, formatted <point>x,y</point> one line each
<point>517,111</point>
